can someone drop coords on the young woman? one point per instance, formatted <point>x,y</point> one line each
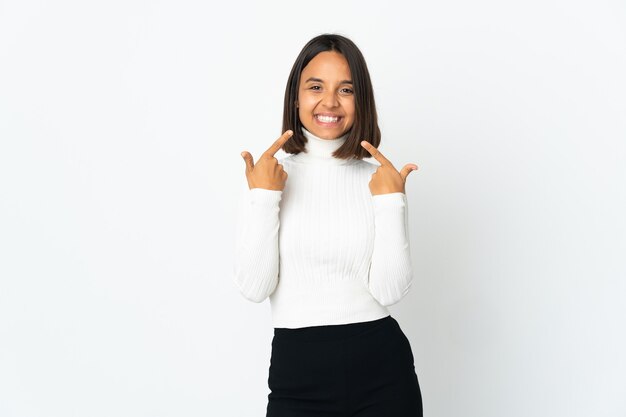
<point>324,234</point>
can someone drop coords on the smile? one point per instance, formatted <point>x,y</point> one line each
<point>327,119</point>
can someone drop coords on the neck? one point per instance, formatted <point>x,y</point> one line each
<point>320,151</point>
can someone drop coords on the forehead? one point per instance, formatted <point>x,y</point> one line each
<point>327,65</point>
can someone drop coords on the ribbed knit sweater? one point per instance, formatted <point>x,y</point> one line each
<point>323,249</point>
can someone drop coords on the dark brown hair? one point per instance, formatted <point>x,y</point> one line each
<point>365,126</point>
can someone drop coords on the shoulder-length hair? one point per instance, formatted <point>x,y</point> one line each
<point>365,126</point>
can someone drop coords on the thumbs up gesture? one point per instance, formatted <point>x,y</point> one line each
<point>267,172</point>
<point>387,179</point>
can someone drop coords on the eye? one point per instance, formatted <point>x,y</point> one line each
<point>315,88</point>
<point>347,90</point>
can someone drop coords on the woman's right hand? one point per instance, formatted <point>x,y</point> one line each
<point>267,172</point>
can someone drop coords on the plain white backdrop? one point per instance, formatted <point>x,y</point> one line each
<point>121,125</point>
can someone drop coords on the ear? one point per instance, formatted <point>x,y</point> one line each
<point>296,103</point>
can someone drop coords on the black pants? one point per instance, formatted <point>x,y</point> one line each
<point>349,370</point>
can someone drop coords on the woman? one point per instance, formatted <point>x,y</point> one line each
<point>330,247</point>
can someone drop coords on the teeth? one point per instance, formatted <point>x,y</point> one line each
<point>327,119</point>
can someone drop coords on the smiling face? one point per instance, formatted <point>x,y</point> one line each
<point>326,96</point>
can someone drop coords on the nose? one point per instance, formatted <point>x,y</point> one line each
<point>330,99</point>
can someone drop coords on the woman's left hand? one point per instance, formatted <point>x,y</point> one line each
<point>387,179</point>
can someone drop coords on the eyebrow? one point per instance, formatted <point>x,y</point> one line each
<point>319,80</point>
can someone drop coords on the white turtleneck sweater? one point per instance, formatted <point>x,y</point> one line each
<point>324,250</point>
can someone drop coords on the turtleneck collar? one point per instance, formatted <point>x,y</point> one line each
<point>320,151</point>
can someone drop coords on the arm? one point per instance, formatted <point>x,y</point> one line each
<point>256,247</point>
<point>390,273</point>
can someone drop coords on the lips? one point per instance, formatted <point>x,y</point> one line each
<point>326,119</point>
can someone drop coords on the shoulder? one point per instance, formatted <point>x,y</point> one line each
<point>285,158</point>
<point>366,165</point>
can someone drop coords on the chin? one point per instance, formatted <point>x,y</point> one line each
<point>327,133</point>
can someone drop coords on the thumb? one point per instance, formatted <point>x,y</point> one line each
<point>248,160</point>
<point>406,170</point>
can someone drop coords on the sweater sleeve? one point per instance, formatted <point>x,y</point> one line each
<point>390,274</point>
<point>256,248</point>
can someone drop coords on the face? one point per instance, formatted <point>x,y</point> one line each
<point>326,97</point>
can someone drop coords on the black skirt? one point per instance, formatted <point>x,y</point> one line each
<point>350,370</point>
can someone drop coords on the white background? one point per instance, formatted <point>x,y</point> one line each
<point>121,124</point>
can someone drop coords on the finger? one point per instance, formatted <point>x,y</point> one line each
<point>406,170</point>
<point>278,144</point>
<point>376,153</point>
<point>248,160</point>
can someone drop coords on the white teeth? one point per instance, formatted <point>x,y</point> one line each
<point>327,119</point>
